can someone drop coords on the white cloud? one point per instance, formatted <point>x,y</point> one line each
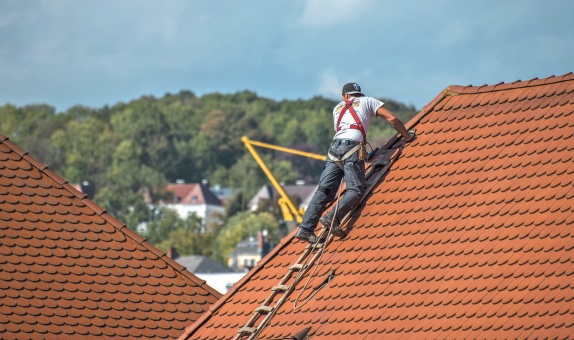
<point>329,84</point>
<point>105,51</point>
<point>328,12</point>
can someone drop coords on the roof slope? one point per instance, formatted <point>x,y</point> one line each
<point>68,269</point>
<point>469,235</point>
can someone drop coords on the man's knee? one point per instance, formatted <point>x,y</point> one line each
<point>328,192</point>
<point>356,193</point>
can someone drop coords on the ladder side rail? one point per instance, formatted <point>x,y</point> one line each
<point>257,330</point>
<point>287,293</point>
<point>274,293</point>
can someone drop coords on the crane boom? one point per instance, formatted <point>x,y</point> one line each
<point>284,149</point>
<point>289,210</point>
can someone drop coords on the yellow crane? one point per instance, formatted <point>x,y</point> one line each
<point>290,212</point>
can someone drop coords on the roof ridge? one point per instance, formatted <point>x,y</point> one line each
<point>120,226</point>
<point>470,89</point>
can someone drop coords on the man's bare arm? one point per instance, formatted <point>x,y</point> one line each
<point>394,121</point>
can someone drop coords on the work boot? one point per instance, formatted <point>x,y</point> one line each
<point>327,222</point>
<point>337,231</point>
<point>327,219</point>
<point>306,235</point>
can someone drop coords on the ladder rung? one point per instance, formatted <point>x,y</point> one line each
<point>281,287</point>
<point>247,330</point>
<point>264,309</point>
<point>296,266</point>
<point>316,245</point>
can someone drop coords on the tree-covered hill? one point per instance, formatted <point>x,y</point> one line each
<point>150,142</point>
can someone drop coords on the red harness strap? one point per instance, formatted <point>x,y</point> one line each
<point>358,126</point>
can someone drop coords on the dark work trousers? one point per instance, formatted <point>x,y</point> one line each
<point>354,172</point>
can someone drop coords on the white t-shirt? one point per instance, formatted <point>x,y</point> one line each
<point>366,109</point>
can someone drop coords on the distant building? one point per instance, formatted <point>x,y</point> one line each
<point>223,194</point>
<point>191,198</point>
<point>249,251</point>
<point>199,264</point>
<point>216,275</point>
<point>300,194</point>
<point>85,187</point>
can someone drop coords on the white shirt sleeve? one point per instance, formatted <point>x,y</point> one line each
<point>373,105</point>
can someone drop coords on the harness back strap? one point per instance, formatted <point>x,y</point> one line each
<point>358,125</point>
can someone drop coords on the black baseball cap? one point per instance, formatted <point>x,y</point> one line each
<point>352,88</point>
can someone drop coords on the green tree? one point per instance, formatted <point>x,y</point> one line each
<point>11,123</point>
<point>317,130</point>
<point>187,237</point>
<point>31,127</point>
<point>26,123</point>
<point>131,148</point>
<point>142,122</point>
<point>161,224</point>
<point>240,227</point>
<point>122,194</point>
<point>86,145</point>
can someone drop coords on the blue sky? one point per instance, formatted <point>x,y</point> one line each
<point>93,53</point>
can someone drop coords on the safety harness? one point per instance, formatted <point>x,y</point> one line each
<point>357,126</point>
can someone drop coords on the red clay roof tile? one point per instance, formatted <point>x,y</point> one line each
<point>69,269</point>
<point>468,235</point>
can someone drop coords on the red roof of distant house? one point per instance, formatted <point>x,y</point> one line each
<point>469,235</point>
<point>191,193</point>
<point>70,270</point>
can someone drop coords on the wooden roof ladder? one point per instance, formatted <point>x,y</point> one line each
<point>379,166</point>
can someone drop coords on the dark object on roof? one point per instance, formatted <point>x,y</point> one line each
<point>469,235</point>
<point>302,335</point>
<point>70,270</point>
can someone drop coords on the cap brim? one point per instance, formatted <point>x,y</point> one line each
<point>354,92</point>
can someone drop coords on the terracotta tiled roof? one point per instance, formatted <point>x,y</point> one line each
<point>69,270</point>
<point>469,235</point>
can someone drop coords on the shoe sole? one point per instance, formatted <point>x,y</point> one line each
<point>307,239</point>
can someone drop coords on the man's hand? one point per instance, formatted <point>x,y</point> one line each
<point>394,121</point>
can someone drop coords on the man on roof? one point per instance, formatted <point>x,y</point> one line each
<point>351,118</point>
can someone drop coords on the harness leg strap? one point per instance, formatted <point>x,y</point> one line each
<point>341,161</point>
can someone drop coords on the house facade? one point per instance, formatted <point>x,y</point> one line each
<point>193,198</point>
